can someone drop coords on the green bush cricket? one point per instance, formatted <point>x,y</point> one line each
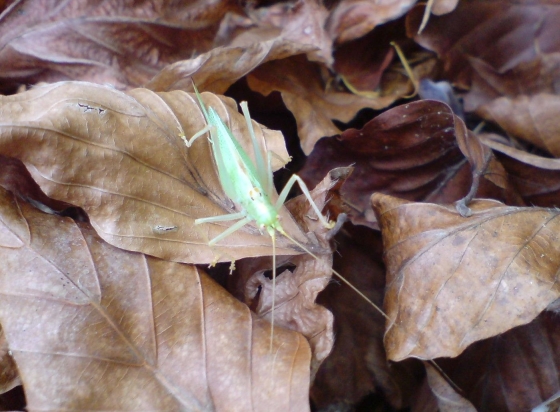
<point>250,186</point>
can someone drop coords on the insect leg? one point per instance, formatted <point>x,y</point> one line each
<point>259,158</point>
<point>189,142</point>
<point>221,218</point>
<point>305,190</point>
<point>232,229</point>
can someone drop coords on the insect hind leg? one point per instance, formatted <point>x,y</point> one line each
<point>305,190</point>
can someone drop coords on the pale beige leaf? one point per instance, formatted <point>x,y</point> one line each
<point>120,157</point>
<point>106,329</point>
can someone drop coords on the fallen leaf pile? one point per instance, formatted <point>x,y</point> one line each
<point>428,132</point>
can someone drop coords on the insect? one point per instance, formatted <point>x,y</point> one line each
<point>250,186</point>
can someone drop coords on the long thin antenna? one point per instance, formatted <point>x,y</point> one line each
<point>273,236</point>
<point>342,278</point>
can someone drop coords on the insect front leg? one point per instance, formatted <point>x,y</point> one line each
<point>305,190</point>
<point>224,218</point>
<point>190,141</point>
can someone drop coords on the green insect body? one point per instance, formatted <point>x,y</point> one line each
<point>238,175</point>
<point>250,186</point>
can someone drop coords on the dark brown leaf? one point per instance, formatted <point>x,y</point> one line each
<point>533,180</point>
<point>123,44</point>
<point>358,364</point>
<point>515,371</point>
<point>410,151</point>
<point>495,47</point>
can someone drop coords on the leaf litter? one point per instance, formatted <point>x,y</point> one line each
<point>465,260</point>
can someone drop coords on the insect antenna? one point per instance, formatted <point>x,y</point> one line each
<point>338,275</point>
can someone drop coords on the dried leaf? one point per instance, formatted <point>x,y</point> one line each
<point>448,399</point>
<point>103,328</point>
<point>532,179</point>
<point>304,94</point>
<point>515,371</point>
<point>119,157</point>
<point>123,44</point>
<point>276,32</point>
<point>410,151</point>
<point>357,365</point>
<point>301,22</point>
<point>531,118</point>
<point>213,70</point>
<point>495,47</point>
<point>452,281</point>
<point>352,19</point>
<point>9,375</point>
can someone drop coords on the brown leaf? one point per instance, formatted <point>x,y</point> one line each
<point>304,94</point>
<point>357,365</point>
<point>512,372</point>
<point>272,33</point>
<point>448,400</point>
<point>495,47</point>
<point>9,375</point>
<point>539,75</point>
<point>121,44</point>
<point>410,151</point>
<point>452,281</point>
<point>531,118</point>
<point>533,180</point>
<point>108,329</point>
<point>352,19</point>
<point>301,22</point>
<point>119,157</point>
<point>213,70</point>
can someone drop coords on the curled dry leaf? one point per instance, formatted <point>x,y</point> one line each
<point>301,22</point>
<point>272,33</point>
<point>107,329</point>
<point>123,44</point>
<point>411,151</point>
<point>120,157</point>
<point>532,180</point>
<point>304,93</point>
<point>213,70</point>
<point>531,118</point>
<point>352,19</point>
<point>448,400</point>
<point>498,47</point>
<point>452,281</point>
<point>515,371</point>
